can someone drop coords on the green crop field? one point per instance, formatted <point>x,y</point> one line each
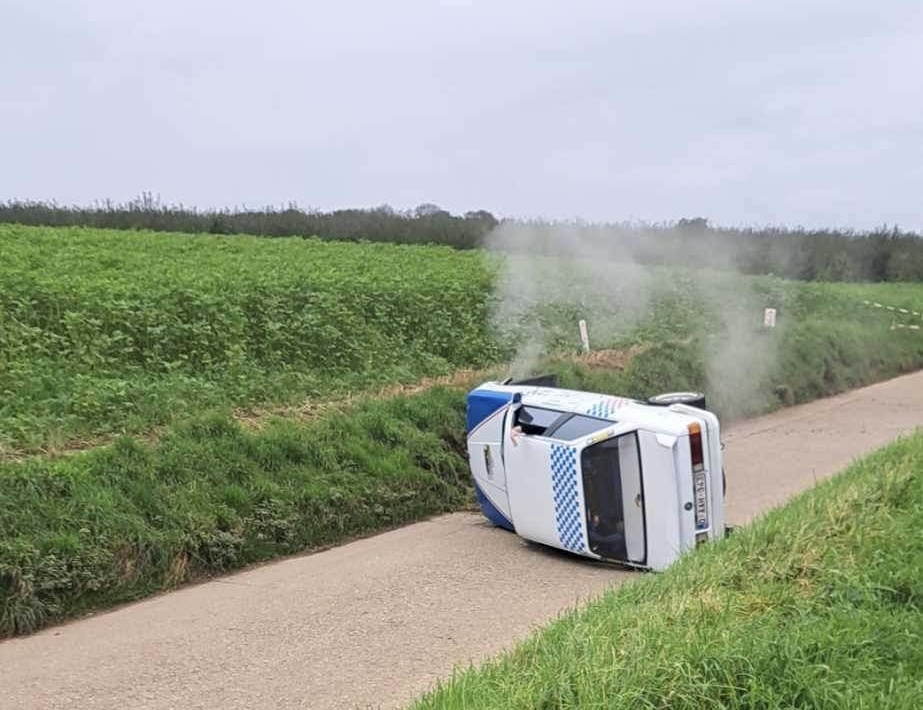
<point>819,604</point>
<point>150,341</point>
<point>109,332</point>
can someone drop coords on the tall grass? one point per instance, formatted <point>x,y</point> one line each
<point>817,605</point>
<point>121,522</point>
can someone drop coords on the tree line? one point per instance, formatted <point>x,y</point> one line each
<point>884,254</point>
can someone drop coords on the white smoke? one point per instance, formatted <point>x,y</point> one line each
<point>553,275</point>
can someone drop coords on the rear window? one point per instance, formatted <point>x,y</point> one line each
<point>579,426</point>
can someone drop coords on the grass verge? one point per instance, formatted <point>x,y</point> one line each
<point>121,522</point>
<point>817,605</point>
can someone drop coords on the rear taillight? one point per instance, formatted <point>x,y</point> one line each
<point>695,447</point>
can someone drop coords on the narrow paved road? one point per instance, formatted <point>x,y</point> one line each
<point>376,622</point>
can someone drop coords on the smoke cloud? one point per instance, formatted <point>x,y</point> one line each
<point>555,274</point>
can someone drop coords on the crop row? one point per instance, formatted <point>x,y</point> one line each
<point>101,330</point>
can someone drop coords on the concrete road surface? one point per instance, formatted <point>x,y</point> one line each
<point>374,623</point>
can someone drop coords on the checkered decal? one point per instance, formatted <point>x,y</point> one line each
<point>605,408</point>
<point>568,517</point>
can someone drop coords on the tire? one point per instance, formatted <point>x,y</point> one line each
<point>692,399</point>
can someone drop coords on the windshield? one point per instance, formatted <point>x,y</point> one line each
<point>611,472</point>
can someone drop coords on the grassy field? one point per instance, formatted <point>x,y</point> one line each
<point>119,331</point>
<point>817,605</point>
<point>104,333</point>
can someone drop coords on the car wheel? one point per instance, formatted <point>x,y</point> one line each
<point>692,399</point>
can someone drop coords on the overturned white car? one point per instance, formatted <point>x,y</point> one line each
<point>610,478</point>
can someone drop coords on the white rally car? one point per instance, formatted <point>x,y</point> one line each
<point>610,478</point>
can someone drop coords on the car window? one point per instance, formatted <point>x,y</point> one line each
<point>578,426</point>
<point>536,421</point>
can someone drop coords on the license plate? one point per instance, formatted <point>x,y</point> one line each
<point>701,501</point>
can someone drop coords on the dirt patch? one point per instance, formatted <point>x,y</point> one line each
<point>312,409</point>
<point>69,448</point>
<point>610,359</point>
<point>613,359</point>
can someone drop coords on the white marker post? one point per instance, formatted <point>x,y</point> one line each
<point>769,318</point>
<point>584,336</point>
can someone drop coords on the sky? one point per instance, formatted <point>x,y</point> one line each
<point>748,114</point>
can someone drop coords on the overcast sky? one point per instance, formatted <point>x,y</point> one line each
<point>779,112</point>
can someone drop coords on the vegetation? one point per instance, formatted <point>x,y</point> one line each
<point>815,606</point>
<point>211,495</point>
<point>428,224</point>
<point>107,332</point>
<point>884,254</point>
<point>120,522</point>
